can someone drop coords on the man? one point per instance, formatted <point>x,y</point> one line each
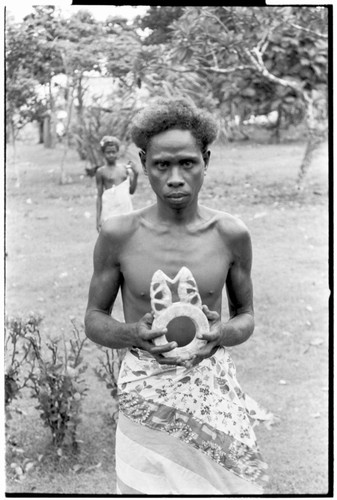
<point>115,183</point>
<point>184,425</point>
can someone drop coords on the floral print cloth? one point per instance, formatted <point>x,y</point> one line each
<point>202,406</point>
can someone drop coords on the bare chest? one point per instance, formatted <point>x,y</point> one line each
<point>204,254</point>
<point>113,177</point>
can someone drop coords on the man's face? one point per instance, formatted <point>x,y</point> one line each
<point>175,167</point>
<point>110,153</point>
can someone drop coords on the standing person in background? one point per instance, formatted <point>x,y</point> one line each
<point>115,183</point>
<point>185,426</point>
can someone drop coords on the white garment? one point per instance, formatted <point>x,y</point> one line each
<point>116,200</point>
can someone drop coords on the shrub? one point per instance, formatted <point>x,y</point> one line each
<point>108,371</point>
<point>19,356</point>
<point>57,385</point>
<point>96,121</point>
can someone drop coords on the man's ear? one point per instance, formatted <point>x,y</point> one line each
<point>142,156</point>
<point>206,157</point>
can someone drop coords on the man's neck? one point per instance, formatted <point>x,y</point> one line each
<point>181,216</point>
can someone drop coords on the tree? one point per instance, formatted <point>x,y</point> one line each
<point>113,53</point>
<point>158,20</point>
<point>31,52</point>
<point>23,103</point>
<point>80,45</point>
<point>274,52</point>
<point>43,60</point>
<point>47,46</point>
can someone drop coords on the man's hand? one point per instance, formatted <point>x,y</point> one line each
<point>132,166</point>
<point>214,334</point>
<point>131,169</point>
<point>145,338</point>
<point>213,337</point>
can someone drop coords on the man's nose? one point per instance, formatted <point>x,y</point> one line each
<point>175,179</point>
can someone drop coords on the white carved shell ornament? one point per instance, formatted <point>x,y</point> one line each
<point>189,305</point>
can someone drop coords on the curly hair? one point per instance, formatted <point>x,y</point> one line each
<point>166,114</point>
<point>109,140</point>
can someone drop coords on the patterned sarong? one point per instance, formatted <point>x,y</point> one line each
<point>186,431</point>
<point>116,200</point>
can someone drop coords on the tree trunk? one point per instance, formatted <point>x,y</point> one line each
<point>50,123</point>
<point>317,126</point>
<point>46,132</point>
<point>316,111</point>
<point>63,177</point>
<point>306,161</point>
<point>16,170</point>
<point>40,130</point>
<point>277,131</point>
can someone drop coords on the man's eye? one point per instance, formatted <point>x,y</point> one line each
<point>162,165</point>
<point>187,164</point>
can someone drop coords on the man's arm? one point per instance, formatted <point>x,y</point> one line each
<point>239,287</point>
<point>240,293</point>
<point>99,185</point>
<point>100,326</point>
<point>133,174</point>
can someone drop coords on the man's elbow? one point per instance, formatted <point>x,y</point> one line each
<point>88,324</point>
<point>251,326</point>
<point>251,316</point>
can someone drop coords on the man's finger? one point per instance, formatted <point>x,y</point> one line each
<point>148,318</point>
<point>209,336</point>
<point>157,350</point>
<point>211,315</point>
<point>169,361</point>
<point>152,334</point>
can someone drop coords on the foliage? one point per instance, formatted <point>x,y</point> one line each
<point>80,46</point>
<point>80,43</point>
<point>97,121</point>
<point>257,60</point>
<point>236,61</point>
<point>23,103</point>
<point>42,47</point>
<point>158,20</point>
<point>42,30</point>
<point>32,60</point>
<point>59,388</point>
<point>19,355</point>
<point>122,49</point>
<point>108,371</point>
<point>55,380</point>
<point>266,56</point>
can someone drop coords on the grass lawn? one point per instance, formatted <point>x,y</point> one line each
<point>50,235</point>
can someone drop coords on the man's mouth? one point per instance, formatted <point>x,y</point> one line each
<point>176,196</point>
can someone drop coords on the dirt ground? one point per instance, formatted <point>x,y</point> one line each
<point>50,235</point>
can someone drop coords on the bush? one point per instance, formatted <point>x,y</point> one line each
<point>53,376</point>
<point>96,121</point>
<point>108,371</point>
<point>19,356</point>
<point>59,388</point>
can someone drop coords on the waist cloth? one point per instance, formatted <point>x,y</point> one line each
<point>116,200</point>
<point>186,430</point>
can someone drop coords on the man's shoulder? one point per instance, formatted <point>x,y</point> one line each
<point>100,170</point>
<point>228,225</point>
<point>234,234</point>
<point>121,227</point>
